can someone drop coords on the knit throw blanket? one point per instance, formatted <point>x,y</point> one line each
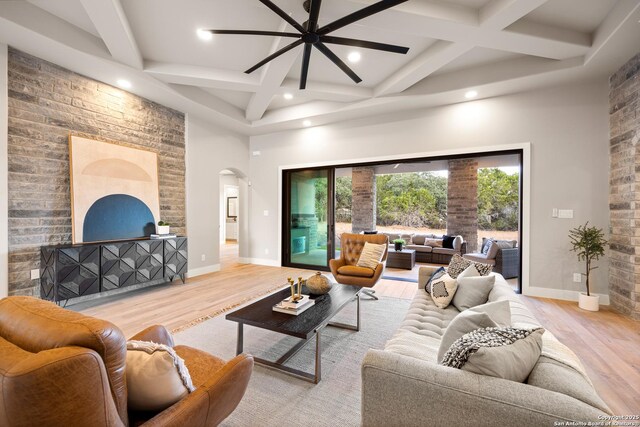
<point>465,346</point>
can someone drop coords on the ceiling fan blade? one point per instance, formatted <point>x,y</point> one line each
<point>274,56</point>
<point>332,56</point>
<point>360,14</point>
<point>314,13</point>
<point>254,33</point>
<point>283,15</point>
<point>365,44</point>
<point>306,57</point>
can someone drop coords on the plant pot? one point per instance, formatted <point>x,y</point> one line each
<point>163,229</point>
<point>398,246</point>
<point>589,302</point>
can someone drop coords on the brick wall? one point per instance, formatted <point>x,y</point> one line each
<point>624,185</point>
<point>462,201</point>
<point>363,199</point>
<point>46,103</point>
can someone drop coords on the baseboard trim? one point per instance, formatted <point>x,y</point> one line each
<point>203,270</point>
<point>560,294</point>
<point>261,261</point>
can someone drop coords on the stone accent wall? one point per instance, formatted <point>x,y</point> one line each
<point>462,201</point>
<point>46,104</point>
<point>624,194</point>
<point>363,199</point>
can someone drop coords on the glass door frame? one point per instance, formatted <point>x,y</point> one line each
<point>286,217</point>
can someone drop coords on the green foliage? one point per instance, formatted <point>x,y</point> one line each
<point>162,223</point>
<point>343,199</point>
<point>498,199</point>
<point>589,244</point>
<point>400,241</point>
<point>321,198</point>
<point>411,200</point>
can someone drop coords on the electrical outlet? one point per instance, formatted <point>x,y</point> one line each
<point>265,212</point>
<point>577,277</point>
<point>256,153</point>
<point>35,274</point>
<point>202,257</point>
<point>565,213</point>
<point>554,213</point>
<point>266,251</point>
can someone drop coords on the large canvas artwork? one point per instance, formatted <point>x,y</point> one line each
<point>114,191</point>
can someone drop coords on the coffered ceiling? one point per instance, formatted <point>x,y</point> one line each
<point>494,47</point>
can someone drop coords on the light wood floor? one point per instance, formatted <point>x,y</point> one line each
<point>608,343</point>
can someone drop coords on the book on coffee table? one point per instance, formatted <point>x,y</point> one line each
<point>281,307</point>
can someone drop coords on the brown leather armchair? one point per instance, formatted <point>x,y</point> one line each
<point>345,270</point>
<point>61,368</point>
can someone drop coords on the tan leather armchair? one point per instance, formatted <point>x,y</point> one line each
<point>345,270</point>
<point>61,368</point>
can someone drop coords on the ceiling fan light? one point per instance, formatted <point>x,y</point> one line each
<point>288,96</point>
<point>204,34</point>
<point>354,57</point>
<point>306,123</point>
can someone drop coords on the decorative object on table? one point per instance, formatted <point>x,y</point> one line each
<point>296,303</point>
<point>163,228</point>
<point>589,244</point>
<point>311,35</point>
<point>398,244</point>
<point>319,284</point>
<point>114,191</point>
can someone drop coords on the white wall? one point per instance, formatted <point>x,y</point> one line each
<point>4,186</point>
<point>566,126</point>
<point>210,149</point>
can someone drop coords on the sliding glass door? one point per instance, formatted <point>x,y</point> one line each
<point>308,218</point>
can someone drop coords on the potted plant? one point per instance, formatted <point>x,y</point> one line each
<point>163,227</point>
<point>398,244</point>
<point>589,244</point>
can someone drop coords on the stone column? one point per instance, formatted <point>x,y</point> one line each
<point>363,199</point>
<point>624,189</point>
<point>462,201</point>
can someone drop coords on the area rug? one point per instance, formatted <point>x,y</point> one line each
<point>276,399</point>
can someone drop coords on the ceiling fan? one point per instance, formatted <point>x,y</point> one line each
<point>312,36</point>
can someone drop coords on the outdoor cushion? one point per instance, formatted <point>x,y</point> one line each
<point>477,257</point>
<point>420,248</point>
<point>418,239</point>
<point>353,270</point>
<point>436,243</point>
<point>445,251</point>
<point>457,243</point>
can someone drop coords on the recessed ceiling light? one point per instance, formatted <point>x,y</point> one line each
<point>125,84</point>
<point>204,34</point>
<point>471,94</point>
<point>288,96</point>
<point>306,123</point>
<point>354,57</point>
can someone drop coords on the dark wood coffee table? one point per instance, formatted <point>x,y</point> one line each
<point>305,326</point>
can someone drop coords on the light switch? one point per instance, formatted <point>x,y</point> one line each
<point>256,153</point>
<point>554,213</point>
<point>35,274</point>
<point>565,213</point>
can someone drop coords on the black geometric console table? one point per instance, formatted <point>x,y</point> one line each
<point>70,271</point>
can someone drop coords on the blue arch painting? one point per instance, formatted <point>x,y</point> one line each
<point>116,217</point>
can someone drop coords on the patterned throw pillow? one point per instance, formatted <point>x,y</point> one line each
<point>371,255</point>
<point>436,275</point>
<point>434,243</point>
<point>442,290</point>
<point>508,353</point>
<point>487,246</point>
<point>459,264</point>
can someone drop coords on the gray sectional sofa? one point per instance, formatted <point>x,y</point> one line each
<point>428,254</point>
<point>403,385</point>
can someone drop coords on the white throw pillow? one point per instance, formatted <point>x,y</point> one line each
<point>442,290</point>
<point>156,376</point>
<point>473,289</point>
<point>371,255</point>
